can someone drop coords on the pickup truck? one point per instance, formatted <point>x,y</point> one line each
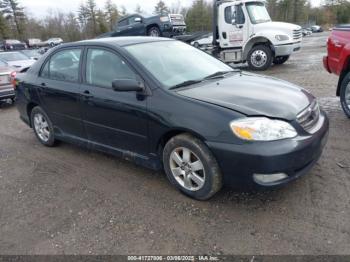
<point>166,25</point>
<point>337,62</point>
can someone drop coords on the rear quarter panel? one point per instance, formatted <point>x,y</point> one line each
<point>339,50</point>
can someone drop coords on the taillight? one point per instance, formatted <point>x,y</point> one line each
<point>13,79</point>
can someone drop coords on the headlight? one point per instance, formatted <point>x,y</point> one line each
<point>282,37</point>
<point>262,129</point>
<point>164,19</point>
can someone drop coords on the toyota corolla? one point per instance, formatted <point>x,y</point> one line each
<point>164,104</point>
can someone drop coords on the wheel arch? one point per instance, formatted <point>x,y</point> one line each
<point>153,25</point>
<point>30,107</point>
<point>257,41</point>
<point>164,139</point>
<point>345,71</point>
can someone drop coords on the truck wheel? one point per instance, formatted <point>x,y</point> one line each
<point>279,60</point>
<point>154,32</point>
<point>260,58</point>
<point>191,167</point>
<point>345,94</point>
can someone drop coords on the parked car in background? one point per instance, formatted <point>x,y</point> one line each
<point>7,75</point>
<point>165,104</point>
<point>12,44</point>
<point>17,60</point>
<point>35,43</point>
<point>54,41</point>
<point>306,32</point>
<point>32,53</point>
<point>207,40</point>
<point>166,25</point>
<point>337,62</point>
<point>316,29</point>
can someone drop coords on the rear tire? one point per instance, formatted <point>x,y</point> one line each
<point>260,58</point>
<point>345,94</point>
<point>191,167</point>
<point>279,60</point>
<point>42,127</point>
<point>196,44</point>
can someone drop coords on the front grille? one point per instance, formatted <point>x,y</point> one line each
<point>297,34</point>
<point>308,118</point>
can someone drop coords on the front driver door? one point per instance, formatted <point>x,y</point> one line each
<point>232,26</point>
<point>113,119</point>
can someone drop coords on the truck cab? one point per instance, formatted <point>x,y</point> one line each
<point>243,31</point>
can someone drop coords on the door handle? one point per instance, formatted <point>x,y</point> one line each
<point>130,27</point>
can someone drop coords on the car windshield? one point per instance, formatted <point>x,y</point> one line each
<point>258,13</point>
<point>173,63</point>
<point>14,56</point>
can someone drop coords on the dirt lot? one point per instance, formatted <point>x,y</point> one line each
<point>67,200</point>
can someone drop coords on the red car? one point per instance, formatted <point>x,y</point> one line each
<point>338,62</point>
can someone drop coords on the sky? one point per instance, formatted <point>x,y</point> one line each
<point>38,8</point>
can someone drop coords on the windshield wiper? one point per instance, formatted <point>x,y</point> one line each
<point>186,83</point>
<point>218,74</point>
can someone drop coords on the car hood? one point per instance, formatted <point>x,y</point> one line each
<point>253,95</point>
<point>277,25</point>
<point>21,64</point>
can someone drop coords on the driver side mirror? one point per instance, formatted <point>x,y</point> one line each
<point>138,20</point>
<point>127,85</point>
<point>233,21</point>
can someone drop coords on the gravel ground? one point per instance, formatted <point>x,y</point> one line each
<point>67,200</point>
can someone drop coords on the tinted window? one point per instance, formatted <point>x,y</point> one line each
<point>64,65</point>
<point>102,67</point>
<point>123,22</point>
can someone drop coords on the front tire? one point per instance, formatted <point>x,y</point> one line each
<point>191,167</point>
<point>42,127</point>
<point>345,94</point>
<point>279,60</point>
<point>260,58</point>
<point>154,32</point>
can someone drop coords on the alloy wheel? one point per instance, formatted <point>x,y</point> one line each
<point>258,58</point>
<point>41,127</point>
<point>187,169</point>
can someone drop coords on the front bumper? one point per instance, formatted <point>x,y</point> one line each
<point>294,157</point>
<point>325,64</point>
<point>7,93</point>
<point>287,49</point>
<point>171,31</point>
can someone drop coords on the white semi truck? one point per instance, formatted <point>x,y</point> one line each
<point>243,32</point>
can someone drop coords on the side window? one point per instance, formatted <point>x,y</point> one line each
<point>229,14</point>
<point>103,67</point>
<point>240,19</point>
<point>234,13</point>
<point>123,22</point>
<point>64,65</point>
<point>45,71</point>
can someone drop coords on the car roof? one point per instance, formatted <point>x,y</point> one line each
<point>123,41</point>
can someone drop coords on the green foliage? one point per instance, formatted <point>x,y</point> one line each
<point>199,16</point>
<point>14,14</point>
<point>161,8</point>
